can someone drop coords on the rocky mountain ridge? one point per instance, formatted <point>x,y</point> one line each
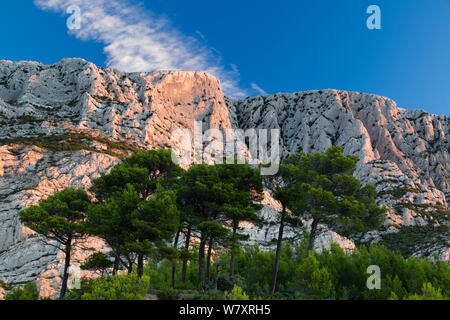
<point>63,124</point>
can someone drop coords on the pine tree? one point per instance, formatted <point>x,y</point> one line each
<point>200,189</point>
<point>327,192</point>
<point>321,187</point>
<point>142,173</point>
<point>219,197</point>
<point>245,190</point>
<point>60,218</point>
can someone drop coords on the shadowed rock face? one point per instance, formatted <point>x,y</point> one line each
<point>63,124</point>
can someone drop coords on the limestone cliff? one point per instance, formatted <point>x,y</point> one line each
<point>63,124</point>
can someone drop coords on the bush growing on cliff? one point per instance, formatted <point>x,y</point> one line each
<point>428,293</point>
<point>332,274</point>
<point>28,292</point>
<point>312,281</point>
<point>236,294</point>
<point>118,287</point>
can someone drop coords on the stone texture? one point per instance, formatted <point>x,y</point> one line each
<point>404,153</point>
<point>63,124</point>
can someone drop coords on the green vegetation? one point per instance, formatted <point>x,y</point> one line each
<point>428,293</point>
<point>212,197</point>
<point>73,142</point>
<point>313,281</point>
<point>118,287</point>
<point>409,240</point>
<point>28,292</point>
<point>136,213</point>
<point>236,294</point>
<point>99,262</point>
<point>321,186</point>
<point>332,274</point>
<point>175,233</point>
<point>60,218</point>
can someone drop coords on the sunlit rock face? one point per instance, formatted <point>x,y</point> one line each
<point>404,153</point>
<point>61,125</point>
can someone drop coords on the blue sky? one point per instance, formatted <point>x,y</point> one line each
<point>252,46</point>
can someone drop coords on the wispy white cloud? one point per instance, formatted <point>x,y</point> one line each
<point>235,69</point>
<point>258,89</point>
<point>136,40</point>
<point>201,35</point>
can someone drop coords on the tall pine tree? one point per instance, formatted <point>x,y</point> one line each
<point>60,218</point>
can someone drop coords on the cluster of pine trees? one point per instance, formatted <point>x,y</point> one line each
<point>149,209</point>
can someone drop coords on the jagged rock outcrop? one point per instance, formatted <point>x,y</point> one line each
<point>404,153</point>
<point>63,124</point>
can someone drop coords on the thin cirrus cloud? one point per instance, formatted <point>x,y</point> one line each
<point>258,89</point>
<point>136,40</point>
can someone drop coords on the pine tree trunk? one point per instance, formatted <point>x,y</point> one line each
<point>140,265</point>
<point>130,268</point>
<point>130,264</point>
<point>201,262</point>
<point>208,260</point>
<point>216,280</point>
<point>115,266</point>
<point>185,260</point>
<point>278,254</point>
<point>312,235</point>
<point>174,264</point>
<point>67,251</point>
<point>116,262</point>
<point>233,252</point>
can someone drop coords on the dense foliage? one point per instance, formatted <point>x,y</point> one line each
<point>321,187</point>
<point>118,287</point>
<point>177,233</point>
<point>28,292</point>
<point>61,219</point>
<point>332,274</point>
